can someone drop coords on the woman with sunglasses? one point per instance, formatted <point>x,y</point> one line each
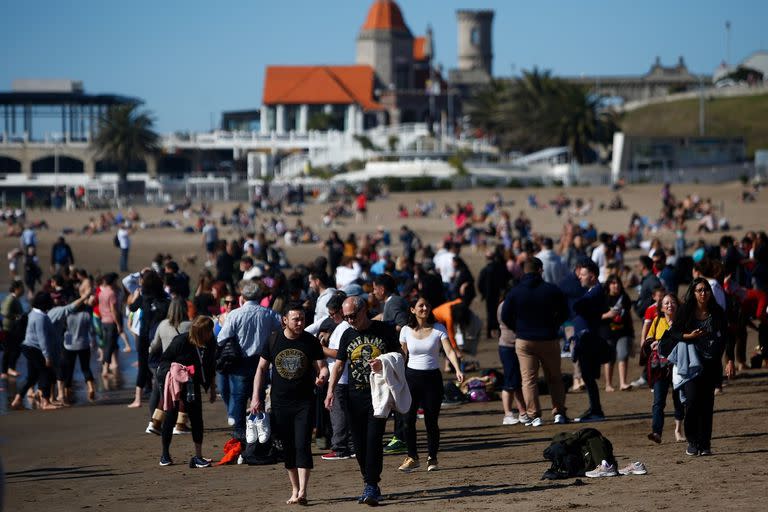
<point>422,340</point>
<point>701,322</point>
<point>229,303</point>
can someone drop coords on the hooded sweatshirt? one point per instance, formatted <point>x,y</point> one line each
<point>535,309</point>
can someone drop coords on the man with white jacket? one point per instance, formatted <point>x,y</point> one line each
<point>360,345</point>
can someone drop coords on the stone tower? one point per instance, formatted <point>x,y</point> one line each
<point>475,42</point>
<point>386,44</point>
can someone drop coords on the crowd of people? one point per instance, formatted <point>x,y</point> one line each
<point>329,337</point>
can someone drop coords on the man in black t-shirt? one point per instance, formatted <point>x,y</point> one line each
<point>360,346</point>
<point>298,366</point>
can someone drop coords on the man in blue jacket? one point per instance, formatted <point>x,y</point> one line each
<point>591,350</point>
<point>534,310</point>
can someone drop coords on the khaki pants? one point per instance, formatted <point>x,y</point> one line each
<point>546,354</point>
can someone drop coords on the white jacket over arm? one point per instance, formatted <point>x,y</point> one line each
<point>389,388</point>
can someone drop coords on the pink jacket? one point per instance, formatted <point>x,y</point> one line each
<point>177,376</point>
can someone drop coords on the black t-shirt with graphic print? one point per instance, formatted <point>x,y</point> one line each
<point>360,347</point>
<point>293,374</point>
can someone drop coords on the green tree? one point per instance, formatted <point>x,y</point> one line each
<point>538,111</point>
<point>125,137</point>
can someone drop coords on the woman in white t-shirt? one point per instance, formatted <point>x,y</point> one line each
<point>422,340</point>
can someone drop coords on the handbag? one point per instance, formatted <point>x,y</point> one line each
<point>228,355</point>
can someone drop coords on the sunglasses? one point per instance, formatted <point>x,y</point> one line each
<point>229,302</point>
<point>701,290</point>
<point>351,317</point>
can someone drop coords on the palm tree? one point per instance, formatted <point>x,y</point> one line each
<point>125,137</point>
<point>483,107</point>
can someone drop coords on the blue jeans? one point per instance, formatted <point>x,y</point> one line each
<point>123,260</point>
<point>222,384</point>
<point>660,390</point>
<point>240,391</point>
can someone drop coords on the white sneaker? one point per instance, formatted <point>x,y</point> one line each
<point>251,434</point>
<point>561,419</point>
<point>535,422</point>
<point>635,468</point>
<point>261,421</point>
<point>231,422</point>
<point>603,470</point>
<point>510,419</point>
<point>524,419</point>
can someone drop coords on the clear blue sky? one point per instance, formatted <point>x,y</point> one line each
<point>191,59</point>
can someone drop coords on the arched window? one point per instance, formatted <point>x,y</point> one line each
<point>475,36</point>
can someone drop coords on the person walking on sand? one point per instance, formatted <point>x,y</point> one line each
<point>298,366</point>
<point>38,348</point>
<point>360,345</point>
<point>659,371</point>
<point>422,340</point>
<point>700,325</point>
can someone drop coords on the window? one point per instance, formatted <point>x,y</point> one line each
<point>475,36</point>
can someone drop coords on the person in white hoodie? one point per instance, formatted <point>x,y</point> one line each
<point>360,345</point>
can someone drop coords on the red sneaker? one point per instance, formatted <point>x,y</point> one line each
<point>335,456</point>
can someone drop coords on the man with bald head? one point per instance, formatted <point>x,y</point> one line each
<point>360,345</point>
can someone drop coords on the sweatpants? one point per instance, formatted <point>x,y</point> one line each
<point>341,441</point>
<point>367,434</point>
<point>293,425</point>
<point>37,372</point>
<point>546,354</point>
<point>194,410</point>
<point>426,388</point>
<point>68,359</point>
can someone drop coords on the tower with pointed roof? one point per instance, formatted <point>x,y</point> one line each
<point>386,44</point>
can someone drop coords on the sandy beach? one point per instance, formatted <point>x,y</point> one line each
<point>98,456</point>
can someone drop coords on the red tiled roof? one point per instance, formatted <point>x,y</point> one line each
<point>313,85</point>
<point>384,15</point>
<point>418,48</point>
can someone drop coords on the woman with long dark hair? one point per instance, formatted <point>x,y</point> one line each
<point>422,340</point>
<point>701,330</point>
<point>153,302</point>
<point>191,353</point>
<point>616,328</point>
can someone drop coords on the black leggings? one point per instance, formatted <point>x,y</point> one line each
<point>293,425</point>
<point>109,333</point>
<point>37,372</point>
<point>427,392</point>
<point>68,358</point>
<point>195,412</point>
<point>142,352</point>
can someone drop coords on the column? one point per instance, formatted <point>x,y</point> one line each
<point>303,118</point>
<point>89,166</point>
<point>349,120</point>
<point>151,161</point>
<point>263,165</point>
<point>264,127</point>
<point>280,119</point>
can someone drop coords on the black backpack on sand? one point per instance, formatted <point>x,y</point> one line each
<point>573,453</point>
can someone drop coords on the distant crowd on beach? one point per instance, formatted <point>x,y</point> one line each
<point>314,349</point>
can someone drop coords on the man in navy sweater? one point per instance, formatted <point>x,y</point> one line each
<point>534,310</point>
<point>591,350</point>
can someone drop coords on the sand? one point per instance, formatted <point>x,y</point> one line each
<point>97,456</point>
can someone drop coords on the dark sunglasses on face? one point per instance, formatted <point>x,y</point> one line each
<point>351,317</point>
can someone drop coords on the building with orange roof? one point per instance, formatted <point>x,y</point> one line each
<point>393,81</point>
